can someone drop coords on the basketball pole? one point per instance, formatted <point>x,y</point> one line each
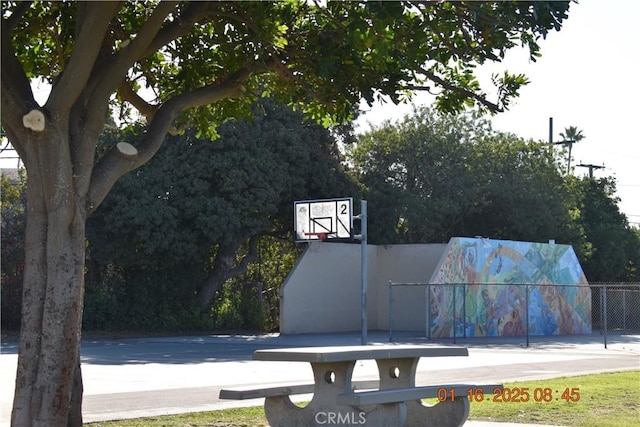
<point>363,268</point>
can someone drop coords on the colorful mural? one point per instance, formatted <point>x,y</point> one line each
<point>491,282</point>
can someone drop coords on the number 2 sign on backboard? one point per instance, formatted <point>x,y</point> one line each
<point>323,219</point>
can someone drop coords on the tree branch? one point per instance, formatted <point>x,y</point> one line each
<point>127,94</point>
<point>222,269</point>
<point>115,163</point>
<point>14,135</point>
<point>12,112</point>
<point>112,166</point>
<point>20,10</point>
<point>494,108</point>
<point>250,257</point>
<point>13,74</point>
<point>148,110</point>
<point>89,40</point>
<point>167,112</point>
<point>108,74</point>
<point>230,88</point>
<point>16,94</point>
<point>181,25</point>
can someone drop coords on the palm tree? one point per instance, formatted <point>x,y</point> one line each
<point>570,136</point>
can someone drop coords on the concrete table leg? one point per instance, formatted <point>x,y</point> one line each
<point>331,379</point>
<point>442,414</point>
<point>398,373</point>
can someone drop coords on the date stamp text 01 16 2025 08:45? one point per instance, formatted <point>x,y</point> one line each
<point>514,395</point>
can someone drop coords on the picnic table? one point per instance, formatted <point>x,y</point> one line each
<point>338,400</point>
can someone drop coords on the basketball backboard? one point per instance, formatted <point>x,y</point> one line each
<point>323,219</point>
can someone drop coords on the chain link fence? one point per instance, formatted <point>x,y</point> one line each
<point>605,311</point>
<point>616,309</point>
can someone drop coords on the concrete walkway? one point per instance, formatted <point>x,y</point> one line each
<point>131,378</point>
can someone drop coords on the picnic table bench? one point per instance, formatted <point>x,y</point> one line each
<point>394,400</point>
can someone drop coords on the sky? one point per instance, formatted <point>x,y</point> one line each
<point>586,78</point>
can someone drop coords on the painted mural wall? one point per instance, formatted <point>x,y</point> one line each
<point>495,282</point>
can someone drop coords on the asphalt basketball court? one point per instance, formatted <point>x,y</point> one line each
<point>131,378</point>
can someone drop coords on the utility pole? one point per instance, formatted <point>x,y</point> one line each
<point>364,268</point>
<point>591,168</point>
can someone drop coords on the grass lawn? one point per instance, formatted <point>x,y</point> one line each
<point>602,400</point>
<point>611,399</point>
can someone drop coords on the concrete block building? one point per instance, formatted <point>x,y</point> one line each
<point>470,287</point>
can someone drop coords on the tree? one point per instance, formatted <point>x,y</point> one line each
<point>633,266</point>
<point>433,177</point>
<point>523,194</point>
<point>208,206</point>
<point>613,253</point>
<point>172,65</point>
<point>414,175</point>
<point>570,136</point>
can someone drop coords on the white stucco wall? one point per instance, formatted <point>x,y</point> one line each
<point>405,264</point>
<point>323,291</point>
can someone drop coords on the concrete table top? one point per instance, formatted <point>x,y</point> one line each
<point>351,353</point>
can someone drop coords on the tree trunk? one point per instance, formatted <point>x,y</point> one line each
<point>219,274</point>
<point>48,389</point>
<point>224,269</point>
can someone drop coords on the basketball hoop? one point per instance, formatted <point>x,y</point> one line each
<point>328,219</point>
<point>320,236</point>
